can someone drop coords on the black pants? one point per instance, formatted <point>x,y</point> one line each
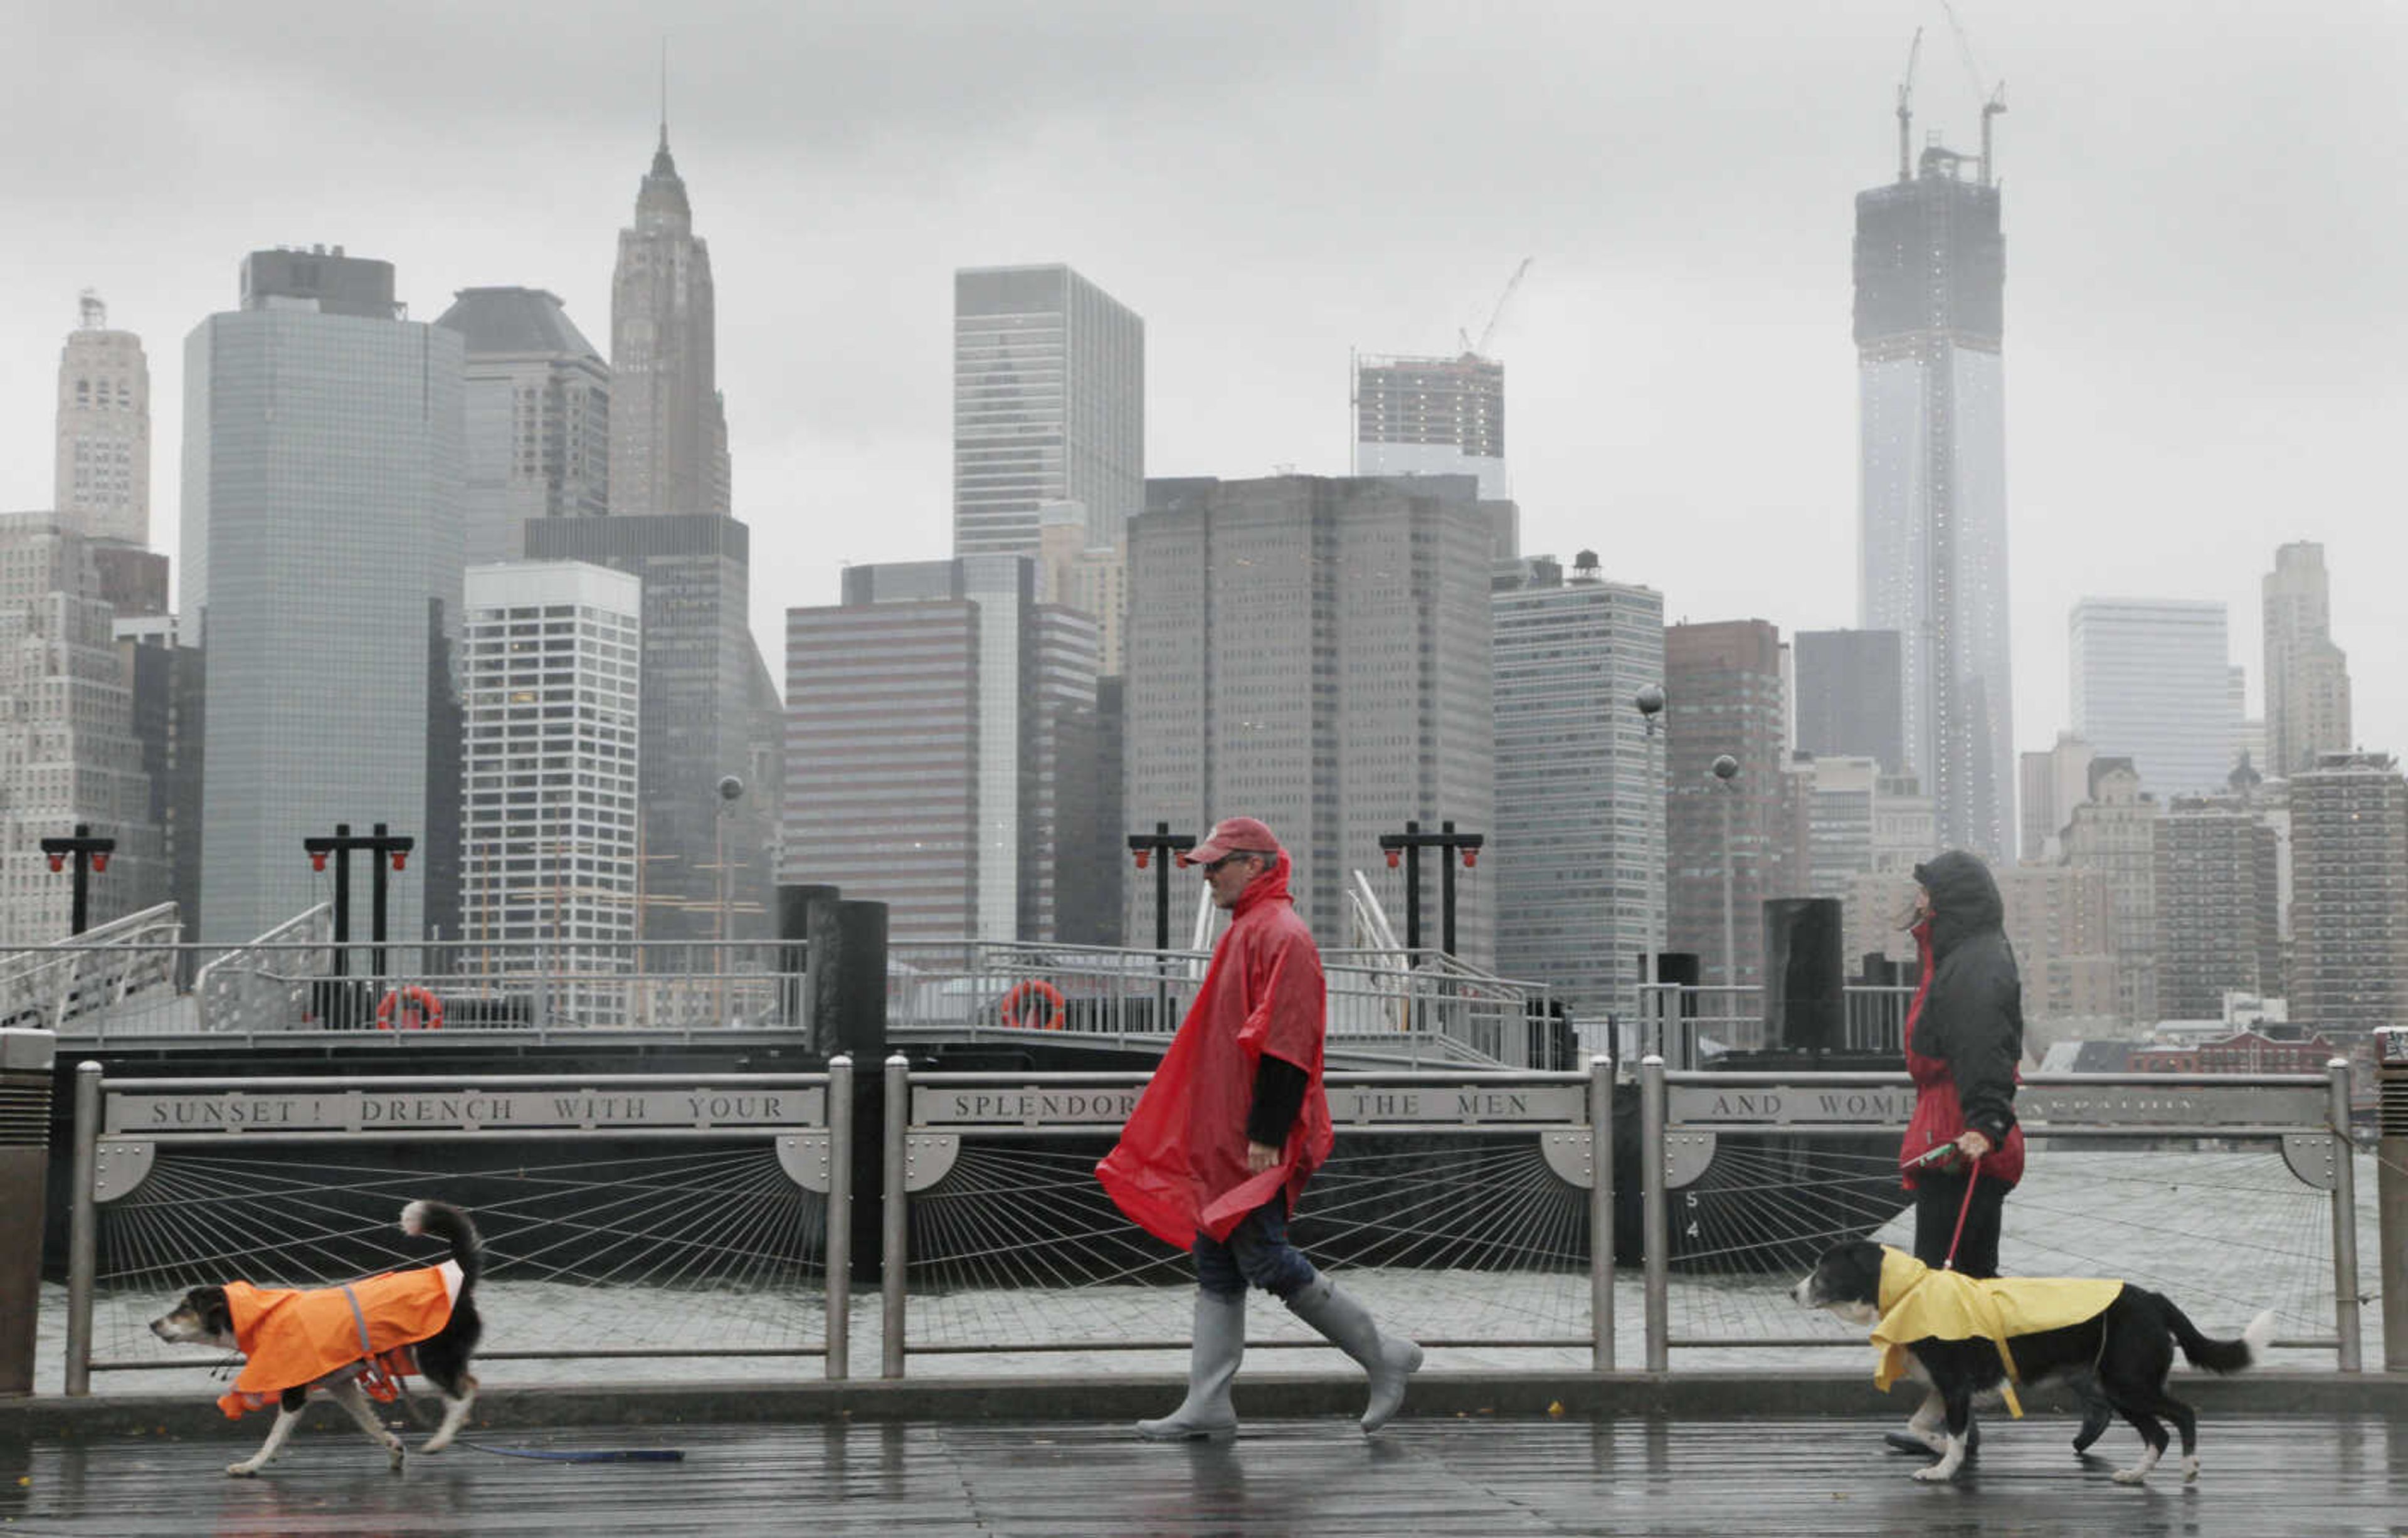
<point>1938,1200</point>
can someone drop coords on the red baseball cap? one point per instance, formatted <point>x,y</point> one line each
<point>1232,835</point>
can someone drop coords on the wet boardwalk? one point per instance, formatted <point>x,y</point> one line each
<point>1495,1477</point>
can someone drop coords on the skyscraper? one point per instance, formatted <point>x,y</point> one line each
<point>2349,895</point>
<point>1930,278</point>
<point>1314,651</point>
<point>708,710</point>
<point>537,412</point>
<point>322,545</point>
<point>935,718</point>
<point>1722,683</point>
<point>2307,676</point>
<point>103,475</point>
<point>2151,683</point>
<point>1049,406</point>
<point>2114,832</point>
<point>551,657</point>
<point>668,424</point>
<point>1849,703</point>
<point>1432,417</point>
<point>1579,842</point>
<point>2055,782</point>
<point>2219,912</point>
<point>68,750</point>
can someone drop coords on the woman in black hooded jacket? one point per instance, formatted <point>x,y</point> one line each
<point>1964,1041</point>
<point>1964,1044</point>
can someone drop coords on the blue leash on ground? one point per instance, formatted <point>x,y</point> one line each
<point>556,1454</point>
<point>581,1454</point>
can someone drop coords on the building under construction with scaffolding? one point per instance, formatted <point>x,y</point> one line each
<point>1432,416</point>
<point>1930,277</point>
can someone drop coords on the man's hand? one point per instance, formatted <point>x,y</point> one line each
<point>1261,1156</point>
<point>1972,1143</point>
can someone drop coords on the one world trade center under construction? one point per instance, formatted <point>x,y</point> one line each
<point>1932,531</point>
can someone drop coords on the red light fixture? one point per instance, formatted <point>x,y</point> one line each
<point>1470,859</point>
<point>1142,855</point>
<point>99,861</point>
<point>400,858</point>
<point>317,860</point>
<point>1396,857</point>
<point>58,863</point>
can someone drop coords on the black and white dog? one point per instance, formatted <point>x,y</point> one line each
<point>353,1341</point>
<point>2127,1343</point>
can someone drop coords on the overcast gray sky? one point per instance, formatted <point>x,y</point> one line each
<point>2203,206</point>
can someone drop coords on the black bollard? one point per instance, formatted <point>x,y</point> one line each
<point>848,1012</point>
<point>25,1062</point>
<point>1805,996</point>
<point>794,902</point>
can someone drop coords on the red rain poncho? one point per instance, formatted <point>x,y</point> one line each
<point>1180,1164</point>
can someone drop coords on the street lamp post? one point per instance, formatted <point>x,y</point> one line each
<point>381,847</point>
<point>1725,770</point>
<point>90,854</point>
<point>1405,848</point>
<point>1161,847</point>
<point>731,791</point>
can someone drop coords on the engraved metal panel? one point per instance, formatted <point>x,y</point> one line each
<point>2182,1106</point>
<point>239,1112</point>
<point>1788,1106</point>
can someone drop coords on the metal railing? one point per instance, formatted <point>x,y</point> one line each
<point>1412,1007</point>
<point>128,1129</point>
<point>56,986</point>
<point>300,981</point>
<point>1689,1025</point>
<point>945,1135</point>
<point>2304,1116</point>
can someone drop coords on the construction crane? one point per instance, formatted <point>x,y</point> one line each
<point>1906,108</point>
<point>1993,101</point>
<point>1480,349</point>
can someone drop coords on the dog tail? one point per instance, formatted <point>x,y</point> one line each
<point>448,1223</point>
<point>2221,1356</point>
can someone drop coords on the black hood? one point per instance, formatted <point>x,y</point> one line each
<point>1964,899</point>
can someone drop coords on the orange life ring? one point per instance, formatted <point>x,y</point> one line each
<point>1021,993</point>
<point>418,1010</point>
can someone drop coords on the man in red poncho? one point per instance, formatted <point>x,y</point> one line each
<point>1217,1152</point>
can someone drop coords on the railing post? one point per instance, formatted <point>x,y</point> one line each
<point>1656,1225</point>
<point>1600,1213</point>
<point>82,1221</point>
<point>895,1210</point>
<point>2345,1219</point>
<point>837,1248</point>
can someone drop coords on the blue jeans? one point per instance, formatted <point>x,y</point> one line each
<point>1256,1251</point>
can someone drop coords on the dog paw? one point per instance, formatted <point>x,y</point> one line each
<point>2190,1469</point>
<point>242,1471</point>
<point>395,1453</point>
<point>2132,1476</point>
<point>1937,1473</point>
<point>435,1445</point>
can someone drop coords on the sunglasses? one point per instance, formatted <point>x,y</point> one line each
<point>1214,867</point>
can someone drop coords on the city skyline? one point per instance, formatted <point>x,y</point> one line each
<point>1251,309</point>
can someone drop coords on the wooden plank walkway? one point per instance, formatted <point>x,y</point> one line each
<point>2291,1475</point>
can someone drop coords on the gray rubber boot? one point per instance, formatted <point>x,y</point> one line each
<point>1211,1363</point>
<point>1388,1359</point>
